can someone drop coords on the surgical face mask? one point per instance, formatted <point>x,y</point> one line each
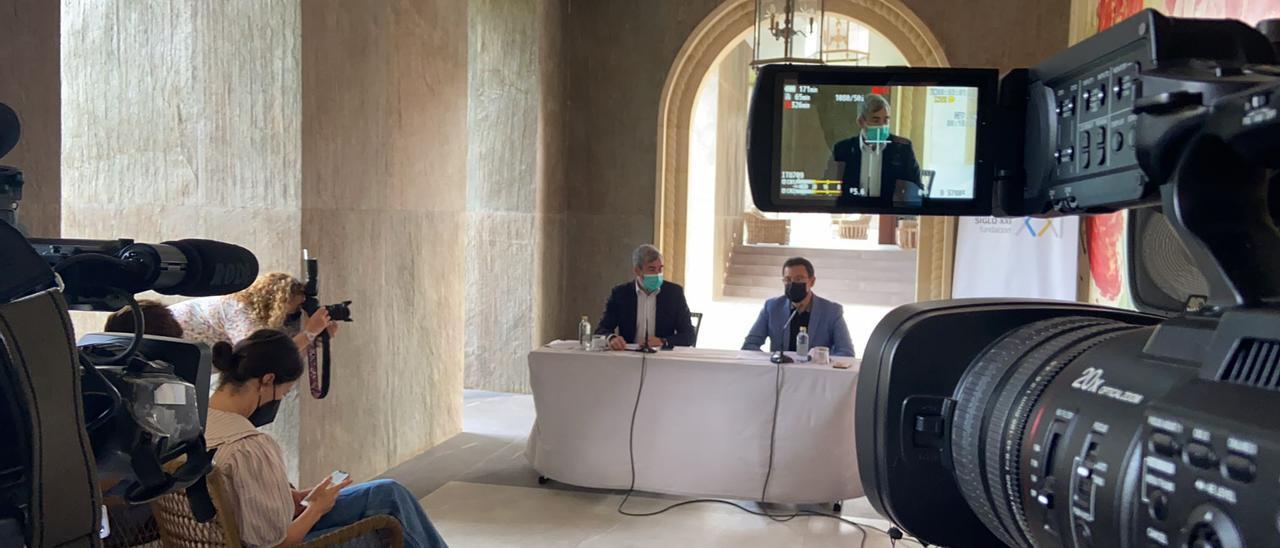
<point>652,282</point>
<point>877,134</point>
<point>266,413</point>
<point>797,291</point>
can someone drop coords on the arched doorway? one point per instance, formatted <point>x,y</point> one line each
<point>719,36</point>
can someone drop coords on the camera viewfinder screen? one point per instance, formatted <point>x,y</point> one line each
<point>901,146</point>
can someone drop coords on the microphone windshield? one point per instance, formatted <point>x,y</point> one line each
<point>213,268</point>
<point>10,129</point>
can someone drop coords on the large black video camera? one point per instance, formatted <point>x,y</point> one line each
<point>121,408</point>
<point>1025,423</point>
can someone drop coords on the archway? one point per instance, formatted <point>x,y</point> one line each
<point>712,40</point>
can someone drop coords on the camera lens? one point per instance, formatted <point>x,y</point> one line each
<point>340,312</point>
<point>995,399</point>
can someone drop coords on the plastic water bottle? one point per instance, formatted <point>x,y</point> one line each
<point>584,334</point>
<point>802,343</point>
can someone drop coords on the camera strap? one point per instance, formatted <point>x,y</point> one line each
<point>318,375</point>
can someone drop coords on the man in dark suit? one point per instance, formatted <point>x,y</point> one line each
<point>873,163</point>
<point>647,310</point>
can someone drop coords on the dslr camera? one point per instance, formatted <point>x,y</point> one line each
<point>988,422</point>
<point>126,409</point>
<point>339,312</point>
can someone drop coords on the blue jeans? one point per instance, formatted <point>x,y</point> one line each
<point>381,497</point>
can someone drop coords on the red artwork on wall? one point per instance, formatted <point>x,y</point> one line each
<point>1103,234</point>
<point>1111,12</point>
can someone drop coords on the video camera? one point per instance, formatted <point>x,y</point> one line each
<point>117,406</point>
<point>1035,423</point>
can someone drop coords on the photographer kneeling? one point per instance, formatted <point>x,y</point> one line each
<point>270,303</point>
<point>256,374</point>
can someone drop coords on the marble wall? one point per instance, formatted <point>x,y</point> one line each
<point>384,168</point>
<point>181,120</point>
<point>515,218</point>
<point>30,84</point>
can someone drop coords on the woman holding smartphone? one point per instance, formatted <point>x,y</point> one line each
<point>256,374</point>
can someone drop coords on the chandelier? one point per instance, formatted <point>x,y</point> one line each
<point>788,31</point>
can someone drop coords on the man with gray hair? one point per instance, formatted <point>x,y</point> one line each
<point>647,311</point>
<point>874,163</point>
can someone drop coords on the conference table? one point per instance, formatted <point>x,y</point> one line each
<point>703,424</point>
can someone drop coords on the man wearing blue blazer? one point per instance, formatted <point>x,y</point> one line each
<point>824,319</point>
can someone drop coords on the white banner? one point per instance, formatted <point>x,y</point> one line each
<point>1017,257</point>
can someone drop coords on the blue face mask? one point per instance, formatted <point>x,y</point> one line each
<point>877,134</point>
<point>652,282</point>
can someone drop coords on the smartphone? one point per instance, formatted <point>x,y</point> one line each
<point>338,476</point>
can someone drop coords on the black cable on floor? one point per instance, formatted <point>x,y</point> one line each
<point>781,518</point>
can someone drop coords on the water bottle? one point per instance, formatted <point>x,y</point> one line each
<point>802,343</point>
<point>584,334</point>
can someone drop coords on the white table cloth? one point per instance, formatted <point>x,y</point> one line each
<point>703,424</point>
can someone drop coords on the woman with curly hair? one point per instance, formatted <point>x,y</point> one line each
<point>267,304</point>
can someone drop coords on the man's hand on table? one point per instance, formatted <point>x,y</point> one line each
<point>617,343</point>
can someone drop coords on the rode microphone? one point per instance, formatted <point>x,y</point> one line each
<point>213,268</point>
<point>95,269</point>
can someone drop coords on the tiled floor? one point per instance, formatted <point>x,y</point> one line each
<point>478,515</point>
<point>480,491</point>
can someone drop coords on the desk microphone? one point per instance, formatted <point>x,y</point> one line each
<point>780,356</point>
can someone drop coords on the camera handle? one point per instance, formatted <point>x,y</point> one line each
<point>1215,159</point>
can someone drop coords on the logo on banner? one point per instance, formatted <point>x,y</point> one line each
<point>1038,228</point>
<point>1035,228</point>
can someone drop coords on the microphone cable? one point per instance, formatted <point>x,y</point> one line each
<point>893,532</point>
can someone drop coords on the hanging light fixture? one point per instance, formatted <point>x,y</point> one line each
<point>845,42</point>
<point>788,31</point>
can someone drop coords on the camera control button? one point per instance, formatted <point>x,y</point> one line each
<point>1165,444</point>
<point>1045,499</point>
<point>1200,455</point>
<point>1240,468</point>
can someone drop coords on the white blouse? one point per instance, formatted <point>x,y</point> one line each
<point>213,319</point>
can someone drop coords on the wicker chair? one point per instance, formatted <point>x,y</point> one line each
<point>179,528</point>
<point>856,229</point>
<point>763,230</point>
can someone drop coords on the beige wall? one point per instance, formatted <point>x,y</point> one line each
<point>181,120</point>
<point>30,84</point>
<point>384,156</point>
<point>515,196</point>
